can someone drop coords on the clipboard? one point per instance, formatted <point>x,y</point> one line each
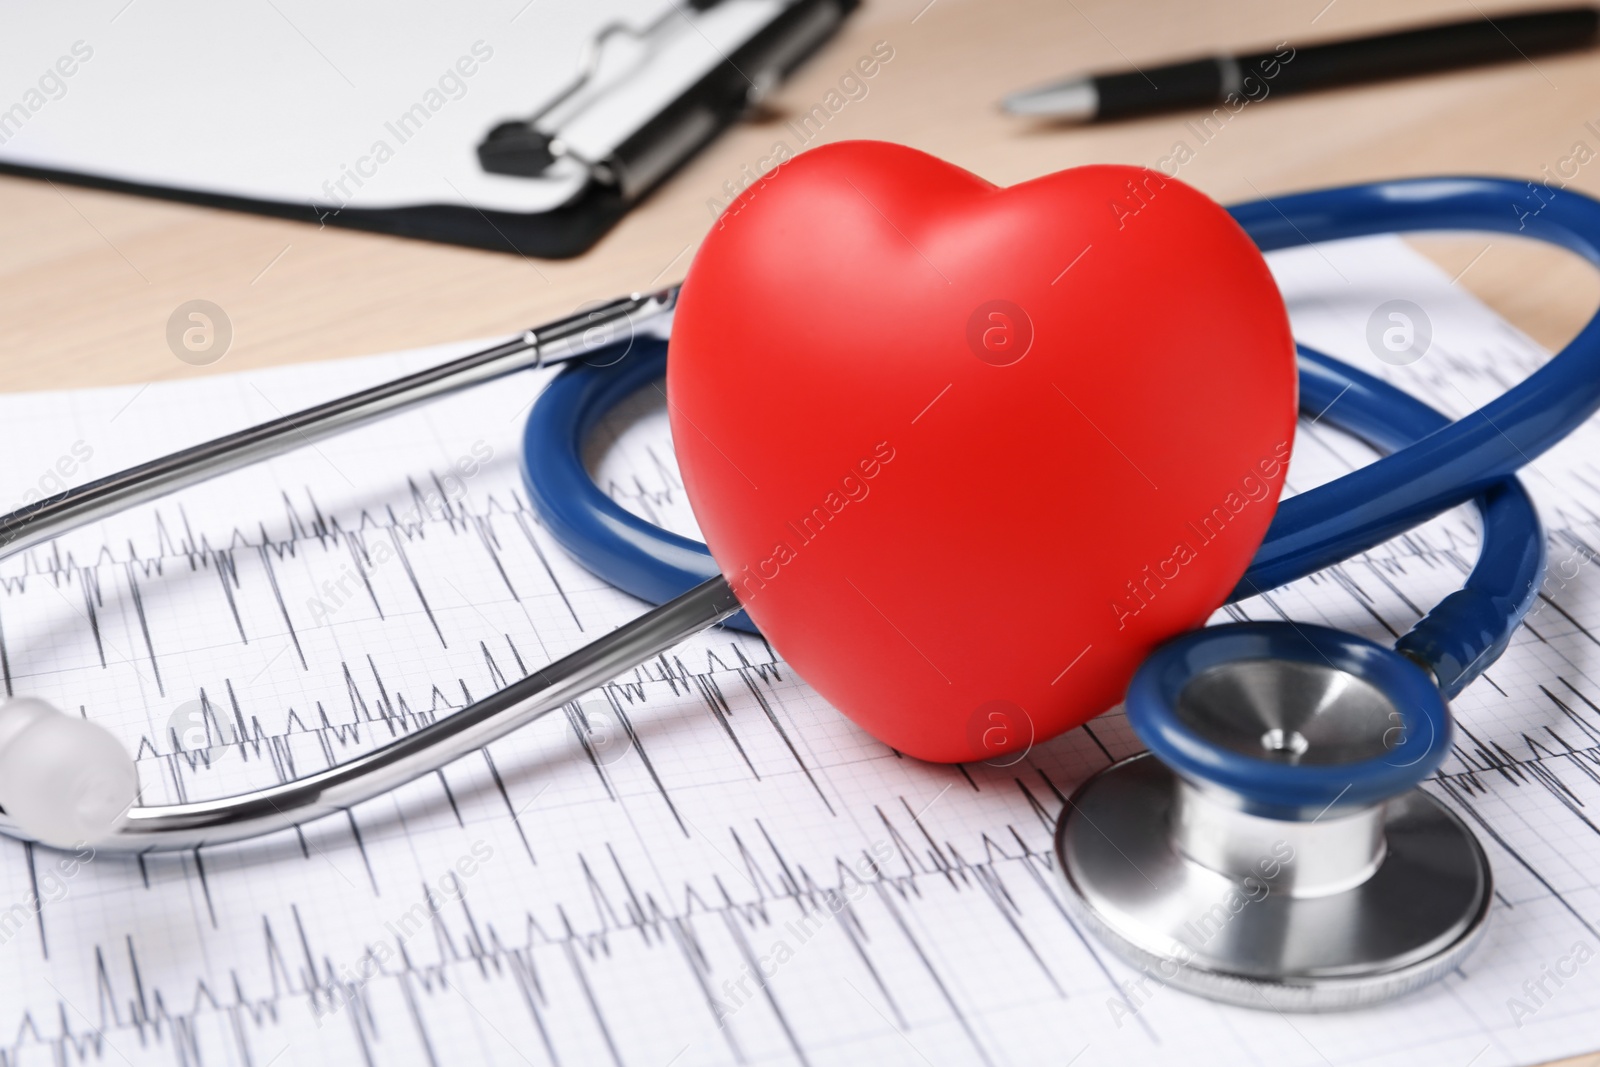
<point>406,154</point>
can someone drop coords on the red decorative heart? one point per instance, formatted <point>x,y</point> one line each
<point>967,453</point>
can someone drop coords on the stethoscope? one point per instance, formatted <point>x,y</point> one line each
<point>1272,848</point>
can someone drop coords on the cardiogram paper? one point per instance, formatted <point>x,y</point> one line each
<point>701,863</point>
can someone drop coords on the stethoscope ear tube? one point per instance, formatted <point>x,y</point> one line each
<point>1459,460</point>
<point>1454,641</point>
<point>629,552</point>
<point>1467,630</point>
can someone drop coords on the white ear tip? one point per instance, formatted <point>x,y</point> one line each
<point>64,781</point>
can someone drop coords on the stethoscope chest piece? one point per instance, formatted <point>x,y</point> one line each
<point>1272,849</point>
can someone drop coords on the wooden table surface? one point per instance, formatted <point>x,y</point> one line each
<point>88,279</point>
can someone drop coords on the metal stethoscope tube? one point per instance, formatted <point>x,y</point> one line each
<point>179,826</point>
<point>542,346</point>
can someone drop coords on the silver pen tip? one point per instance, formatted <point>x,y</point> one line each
<point>1073,101</point>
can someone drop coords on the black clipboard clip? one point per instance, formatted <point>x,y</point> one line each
<point>674,127</point>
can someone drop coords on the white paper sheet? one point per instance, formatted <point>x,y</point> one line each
<point>333,105</point>
<point>730,873</point>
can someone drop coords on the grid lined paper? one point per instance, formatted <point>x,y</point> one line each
<point>701,863</point>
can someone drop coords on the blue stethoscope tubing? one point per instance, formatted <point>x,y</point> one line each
<point>1433,464</point>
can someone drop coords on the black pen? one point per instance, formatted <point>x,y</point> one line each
<point>1286,69</point>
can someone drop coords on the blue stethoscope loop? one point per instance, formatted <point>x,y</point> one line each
<point>1467,630</point>
<point>1415,744</point>
<point>631,553</point>
<point>1435,464</point>
<point>1460,459</point>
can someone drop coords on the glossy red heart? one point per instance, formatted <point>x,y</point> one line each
<point>967,453</point>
